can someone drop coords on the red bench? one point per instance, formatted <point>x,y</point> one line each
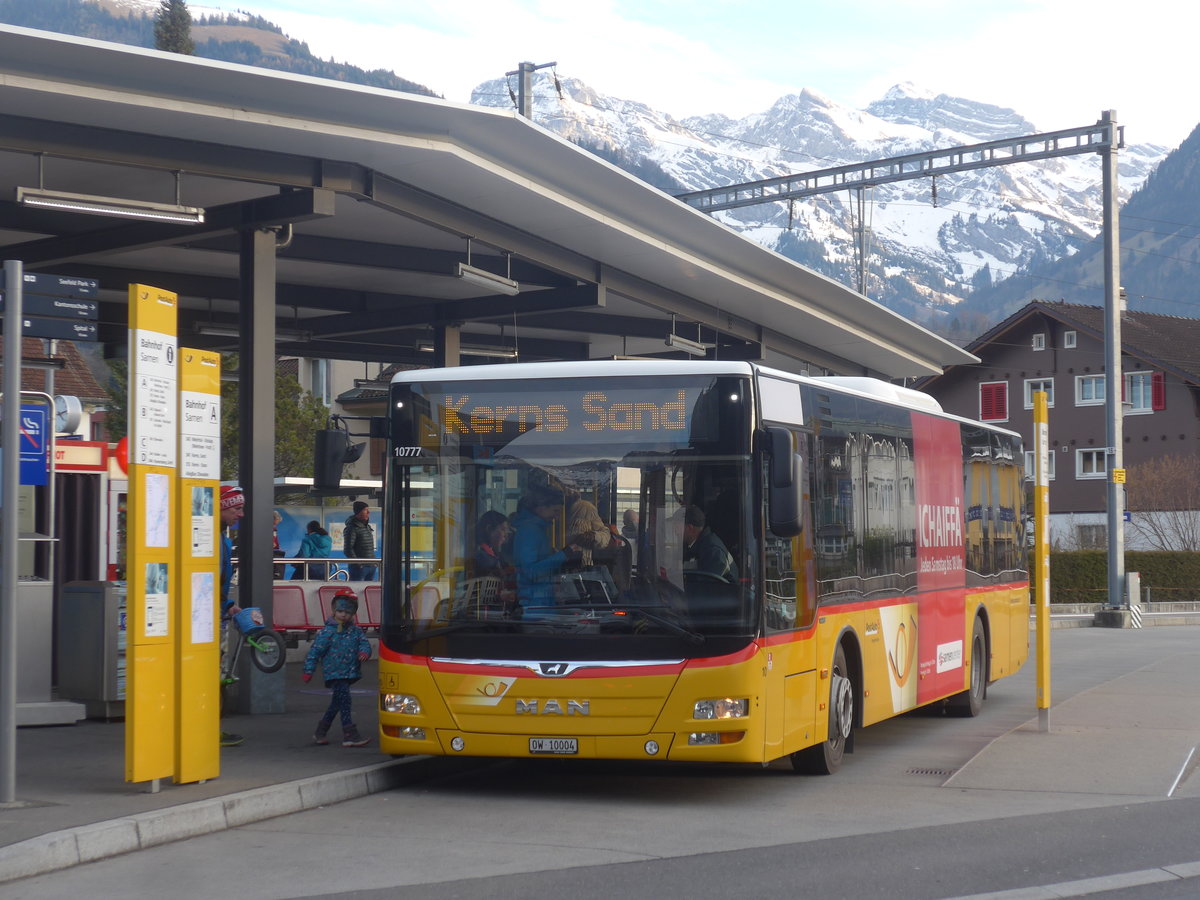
<point>288,609</point>
<point>369,611</point>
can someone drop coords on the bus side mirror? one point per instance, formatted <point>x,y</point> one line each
<point>785,498</point>
<point>331,452</point>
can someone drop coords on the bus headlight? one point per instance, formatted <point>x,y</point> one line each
<point>725,708</point>
<point>405,704</point>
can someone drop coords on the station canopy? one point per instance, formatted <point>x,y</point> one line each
<point>377,201</point>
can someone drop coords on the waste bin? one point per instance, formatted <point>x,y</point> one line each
<point>91,646</point>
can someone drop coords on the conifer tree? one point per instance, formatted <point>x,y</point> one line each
<point>173,28</point>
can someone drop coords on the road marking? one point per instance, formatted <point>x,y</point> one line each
<point>1085,886</point>
<point>1182,771</point>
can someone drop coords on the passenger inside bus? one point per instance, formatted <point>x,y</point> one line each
<point>491,534</point>
<point>586,528</point>
<point>629,528</point>
<point>538,563</point>
<point>600,543</point>
<point>491,557</point>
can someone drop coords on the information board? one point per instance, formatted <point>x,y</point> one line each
<point>153,569</point>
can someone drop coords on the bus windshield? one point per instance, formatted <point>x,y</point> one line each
<point>563,519</point>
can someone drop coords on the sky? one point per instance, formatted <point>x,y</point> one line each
<point>1059,63</point>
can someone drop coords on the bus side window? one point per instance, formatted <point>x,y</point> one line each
<point>790,576</point>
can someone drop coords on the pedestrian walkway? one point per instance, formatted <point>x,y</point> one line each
<point>1136,734</point>
<point>73,804</point>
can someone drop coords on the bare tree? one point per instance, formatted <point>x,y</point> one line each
<point>1163,498</point>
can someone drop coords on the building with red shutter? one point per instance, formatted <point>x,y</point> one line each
<point>1059,348</point>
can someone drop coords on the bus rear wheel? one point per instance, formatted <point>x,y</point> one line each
<point>969,703</point>
<point>825,758</point>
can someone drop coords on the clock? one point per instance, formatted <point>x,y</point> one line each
<point>68,413</point>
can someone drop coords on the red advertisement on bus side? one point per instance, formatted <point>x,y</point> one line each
<point>937,451</point>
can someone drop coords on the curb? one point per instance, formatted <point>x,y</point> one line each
<point>100,840</point>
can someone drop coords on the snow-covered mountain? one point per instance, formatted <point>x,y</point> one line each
<point>150,7</point>
<point>927,253</point>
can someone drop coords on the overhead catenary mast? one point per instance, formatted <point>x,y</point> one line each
<point>1106,137</point>
<point>1102,137</point>
<point>524,72</point>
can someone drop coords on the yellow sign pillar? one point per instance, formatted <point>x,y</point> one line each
<point>1041,519</point>
<point>198,658</point>
<point>150,698</point>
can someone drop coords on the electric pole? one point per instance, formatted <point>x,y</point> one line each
<point>1113,377</point>
<point>525,71</point>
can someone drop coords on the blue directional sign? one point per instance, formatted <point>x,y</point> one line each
<point>57,329</point>
<point>59,307</point>
<point>33,436</point>
<point>60,285</point>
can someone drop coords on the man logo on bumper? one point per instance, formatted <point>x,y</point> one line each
<point>553,708</point>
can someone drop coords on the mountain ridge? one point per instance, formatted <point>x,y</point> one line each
<point>954,254</point>
<point>237,37</point>
<point>931,247</point>
<point>1159,233</point>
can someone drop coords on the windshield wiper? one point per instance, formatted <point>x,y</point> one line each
<point>693,637</point>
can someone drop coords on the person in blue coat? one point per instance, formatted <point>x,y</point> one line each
<point>316,544</point>
<point>341,648</point>
<point>537,561</point>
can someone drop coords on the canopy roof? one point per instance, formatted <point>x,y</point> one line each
<point>378,196</point>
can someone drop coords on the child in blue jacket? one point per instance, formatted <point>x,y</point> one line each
<point>341,648</point>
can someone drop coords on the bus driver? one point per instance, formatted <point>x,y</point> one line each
<point>702,546</point>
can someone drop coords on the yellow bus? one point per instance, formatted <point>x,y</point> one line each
<point>694,561</point>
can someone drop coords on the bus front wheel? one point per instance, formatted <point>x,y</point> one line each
<point>825,758</point>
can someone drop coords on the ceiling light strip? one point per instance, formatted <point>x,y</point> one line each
<point>110,206</point>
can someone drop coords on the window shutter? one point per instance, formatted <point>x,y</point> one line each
<point>993,401</point>
<point>1158,391</point>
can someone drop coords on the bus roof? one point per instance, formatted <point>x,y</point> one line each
<point>863,386</point>
<point>576,369</point>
